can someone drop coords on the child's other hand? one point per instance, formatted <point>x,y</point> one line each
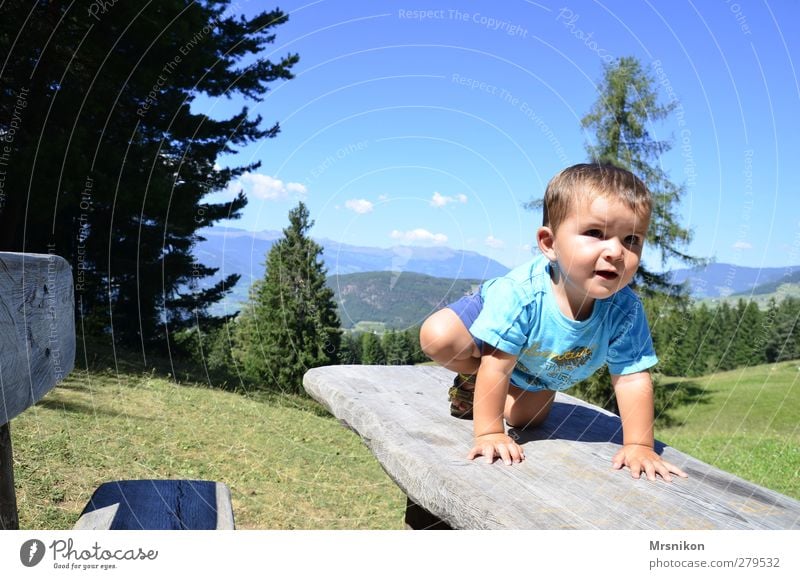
<point>643,459</point>
<point>497,444</point>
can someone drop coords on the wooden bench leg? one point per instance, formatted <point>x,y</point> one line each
<point>9,519</point>
<point>418,519</point>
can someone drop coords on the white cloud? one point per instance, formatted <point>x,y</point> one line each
<point>742,245</point>
<point>495,243</point>
<point>360,206</point>
<point>298,188</point>
<point>439,200</point>
<point>266,187</point>
<point>421,235</point>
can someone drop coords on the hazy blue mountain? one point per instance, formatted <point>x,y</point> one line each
<point>243,252</point>
<point>723,279</point>
<point>238,251</point>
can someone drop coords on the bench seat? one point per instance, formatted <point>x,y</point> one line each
<point>566,481</point>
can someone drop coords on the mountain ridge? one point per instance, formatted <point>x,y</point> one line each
<point>244,252</point>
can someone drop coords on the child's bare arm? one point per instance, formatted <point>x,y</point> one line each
<point>491,389</point>
<point>635,399</point>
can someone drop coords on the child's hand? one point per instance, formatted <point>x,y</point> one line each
<point>497,444</point>
<point>641,458</point>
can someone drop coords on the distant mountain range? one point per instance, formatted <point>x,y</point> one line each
<point>718,280</point>
<point>394,300</point>
<point>244,252</point>
<point>379,297</point>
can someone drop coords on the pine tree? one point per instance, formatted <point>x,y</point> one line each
<point>627,106</point>
<point>290,323</point>
<point>784,342</point>
<point>109,163</point>
<point>620,118</point>
<point>350,349</point>
<point>748,343</point>
<point>412,338</point>
<point>371,349</point>
<point>726,328</point>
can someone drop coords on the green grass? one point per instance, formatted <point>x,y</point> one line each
<point>289,465</point>
<point>746,423</point>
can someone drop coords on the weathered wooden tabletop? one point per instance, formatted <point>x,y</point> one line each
<point>566,481</point>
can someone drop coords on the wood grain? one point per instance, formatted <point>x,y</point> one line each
<point>37,328</point>
<point>566,481</point>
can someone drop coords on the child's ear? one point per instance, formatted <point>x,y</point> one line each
<point>546,241</point>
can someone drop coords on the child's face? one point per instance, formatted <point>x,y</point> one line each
<point>598,248</point>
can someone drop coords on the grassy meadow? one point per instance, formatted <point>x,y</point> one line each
<point>292,466</point>
<point>746,422</point>
<point>288,463</point>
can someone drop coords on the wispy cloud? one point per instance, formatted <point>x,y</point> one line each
<point>742,245</point>
<point>266,187</point>
<point>495,243</point>
<point>360,206</point>
<point>439,200</point>
<point>419,235</point>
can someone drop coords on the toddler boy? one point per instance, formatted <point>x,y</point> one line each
<point>554,321</point>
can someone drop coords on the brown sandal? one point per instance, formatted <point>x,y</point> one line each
<point>460,397</point>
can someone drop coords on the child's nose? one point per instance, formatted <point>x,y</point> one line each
<point>613,249</point>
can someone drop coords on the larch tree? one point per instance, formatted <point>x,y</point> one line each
<point>620,123</point>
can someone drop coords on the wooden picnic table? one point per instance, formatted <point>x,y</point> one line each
<point>566,481</point>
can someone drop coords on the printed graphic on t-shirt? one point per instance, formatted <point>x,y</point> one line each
<point>557,368</point>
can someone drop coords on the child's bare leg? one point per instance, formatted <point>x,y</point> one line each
<point>526,409</point>
<point>445,340</point>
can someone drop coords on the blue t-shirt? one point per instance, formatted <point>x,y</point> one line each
<point>520,316</point>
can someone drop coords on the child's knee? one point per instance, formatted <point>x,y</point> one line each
<point>444,337</point>
<point>435,335</point>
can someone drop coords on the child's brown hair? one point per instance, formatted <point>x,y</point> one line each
<point>593,180</point>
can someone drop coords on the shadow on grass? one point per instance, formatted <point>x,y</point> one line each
<point>96,355</point>
<point>673,395</point>
<point>78,408</point>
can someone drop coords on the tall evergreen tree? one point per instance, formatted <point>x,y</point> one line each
<point>620,119</point>
<point>371,349</point>
<point>350,349</point>
<point>290,323</point>
<point>108,164</point>
<point>784,341</point>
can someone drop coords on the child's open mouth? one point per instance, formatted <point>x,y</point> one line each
<point>607,275</point>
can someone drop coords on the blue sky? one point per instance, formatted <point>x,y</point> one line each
<point>434,122</point>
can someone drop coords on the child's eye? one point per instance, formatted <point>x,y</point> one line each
<point>594,233</point>
<point>633,240</point>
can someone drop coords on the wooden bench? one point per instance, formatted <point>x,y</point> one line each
<point>566,481</point>
<point>37,350</point>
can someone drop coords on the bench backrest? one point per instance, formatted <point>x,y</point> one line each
<point>37,328</point>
